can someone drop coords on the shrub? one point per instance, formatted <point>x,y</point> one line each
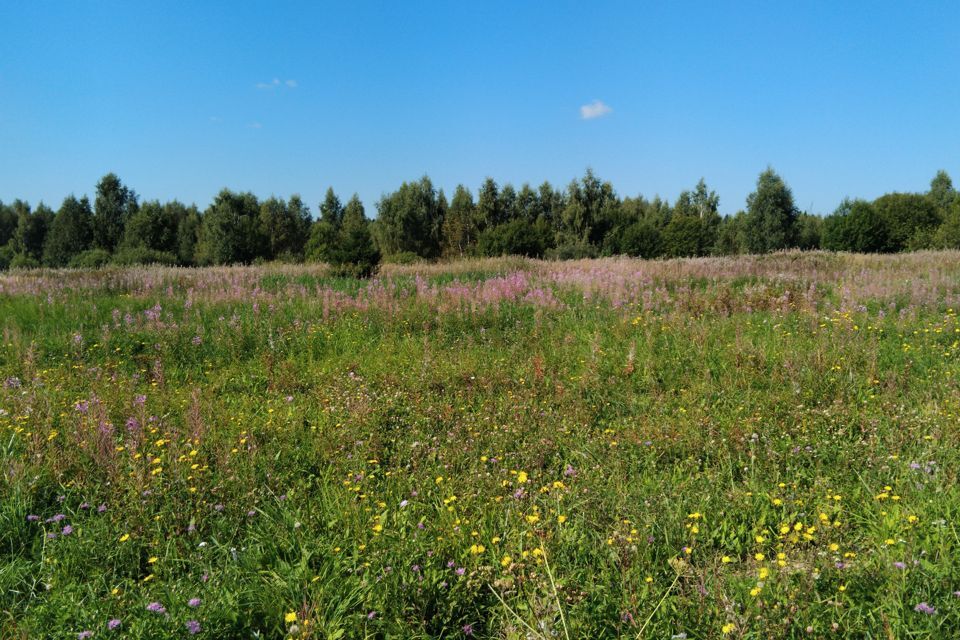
<point>90,259</point>
<point>142,255</point>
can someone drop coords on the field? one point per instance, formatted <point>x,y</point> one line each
<point>751,447</point>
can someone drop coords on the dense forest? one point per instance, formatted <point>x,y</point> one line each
<point>418,222</point>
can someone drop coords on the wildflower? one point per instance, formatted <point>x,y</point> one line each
<point>67,530</point>
<point>758,557</point>
<point>32,518</point>
<point>900,565</point>
<point>193,627</point>
<point>522,477</point>
<point>193,602</point>
<point>506,561</point>
<point>925,609</point>
<point>404,503</point>
<point>561,519</point>
<point>83,635</point>
<point>124,537</point>
<point>156,607</point>
<point>290,617</point>
<point>727,628</point>
<point>468,629</point>
<point>371,615</point>
<point>113,623</point>
<point>726,559</point>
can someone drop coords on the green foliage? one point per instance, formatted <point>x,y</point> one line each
<point>354,252</point>
<point>91,259</point>
<point>231,232</point>
<point>809,231</point>
<point>641,239</point>
<point>411,220</point>
<point>114,205</point>
<point>285,227</point>
<point>942,194</point>
<point>731,235</point>
<point>154,226</point>
<point>461,225</point>
<point>32,228</point>
<point>770,223</point>
<point>24,261</point>
<point>575,250</point>
<point>856,226</point>
<point>71,232</point>
<point>8,224</point>
<point>519,237</point>
<point>686,236</point>
<point>906,215</point>
<point>722,448</point>
<point>141,255</point>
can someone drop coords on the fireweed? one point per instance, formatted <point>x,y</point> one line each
<point>750,447</point>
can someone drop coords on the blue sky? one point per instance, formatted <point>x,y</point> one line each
<point>182,99</point>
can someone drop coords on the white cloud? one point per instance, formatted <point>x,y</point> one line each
<point>255,125</point>
<point>275,83</point>
<point>595,109</point>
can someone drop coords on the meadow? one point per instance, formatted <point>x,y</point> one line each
<point>742,447</point>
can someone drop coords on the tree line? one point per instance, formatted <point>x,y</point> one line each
<point>418,222</point>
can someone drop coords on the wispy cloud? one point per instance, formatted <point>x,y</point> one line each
<point>254,125</point>
<point>275,83</point>
<point>596,109</point>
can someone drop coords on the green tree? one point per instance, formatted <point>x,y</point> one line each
<point>355,252</point>
<point>230,232</point>
<point>490,210</point>
<point>31,231</point>
<point>411,220</point>
<point>285,227</point>
<point>942,194</point>
<point>460,226</point>
<point>731,235</point>
<point>154,226</point>
<point>188,234</point>
<point>771,215</point>
<point>113,206</point>
<point>8,224</point>
<point>906,215</point>
<point>71,232</point>
<point>519,237</point>
<point>687,235</point>
<point>809,230</point>
<point>856,226</point>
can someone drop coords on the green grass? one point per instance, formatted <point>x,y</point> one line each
<point>720,461</point>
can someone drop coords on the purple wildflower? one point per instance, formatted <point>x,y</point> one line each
<point>371,615</point>
<point>101,508</point>
<point>925,609</point>
<point>460,571</point>
<point>83,635</point>
<point>193,627</point>
<point>218,507</point>
<point>404,503</point>
<point>67,530</point>
<point>197,341</point>
<point>193,602</point>
<point>468,629</point>
<point>56,518</point>
<point>113,624</point>
<point>84,505</point>
<point>569,472</point>
<point>32,518</point>
<point>156,607</point>
<point>900,565</point>
<point>251,513</point>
